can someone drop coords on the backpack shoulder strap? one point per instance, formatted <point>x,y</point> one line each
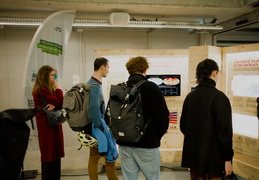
<point>135,88</point>
<point>91,84</point>
<point>140,82</point>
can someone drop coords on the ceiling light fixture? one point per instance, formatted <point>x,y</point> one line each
<point>148,26</point>
<point>13,23</point>
<point>105,23</point>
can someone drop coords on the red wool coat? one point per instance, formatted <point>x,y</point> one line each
<point>51,140</point>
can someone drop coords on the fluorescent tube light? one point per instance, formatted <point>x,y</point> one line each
<point>103,23</point>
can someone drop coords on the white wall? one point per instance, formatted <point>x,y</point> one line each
<point>79,57</point>
<point>13,49</point>
<point>80,54</point>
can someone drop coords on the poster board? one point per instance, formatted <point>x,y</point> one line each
<point>242,87</point>
<point>169,84</point>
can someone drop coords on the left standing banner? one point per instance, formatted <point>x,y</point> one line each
<point>47,48</point>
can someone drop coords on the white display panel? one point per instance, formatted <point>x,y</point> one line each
<point>164,64</point>
<point>244,61</point>
<point>245,85</point>
<point>245,125</point>
<point>243,81</point>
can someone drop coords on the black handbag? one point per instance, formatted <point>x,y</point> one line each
<point>55,116</point>
<point>232,176</point>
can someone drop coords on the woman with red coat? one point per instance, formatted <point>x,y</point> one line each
<point>51,139</point>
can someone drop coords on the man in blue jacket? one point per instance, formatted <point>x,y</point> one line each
<point>96,113</point>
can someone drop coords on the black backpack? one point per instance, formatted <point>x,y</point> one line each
<point>124,112</point>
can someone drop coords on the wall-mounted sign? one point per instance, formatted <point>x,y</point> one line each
<point>169,84</point>
<point>248,61</point>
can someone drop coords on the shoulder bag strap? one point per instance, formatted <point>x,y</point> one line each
<point>44,102</point>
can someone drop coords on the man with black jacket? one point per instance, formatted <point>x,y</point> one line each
<point>144,155</point>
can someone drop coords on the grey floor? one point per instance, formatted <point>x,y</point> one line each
<point>172,173</point>
<point>167,172</point>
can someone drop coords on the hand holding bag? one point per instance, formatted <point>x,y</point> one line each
<point>55,116</point>
<point>232,176</point>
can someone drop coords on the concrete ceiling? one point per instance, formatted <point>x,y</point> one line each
<point>161,10</point>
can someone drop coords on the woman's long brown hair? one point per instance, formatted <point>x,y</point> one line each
<point>42,79</point>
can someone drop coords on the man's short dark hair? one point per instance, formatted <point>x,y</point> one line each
<point>99,62</point>
<point>205,68</point>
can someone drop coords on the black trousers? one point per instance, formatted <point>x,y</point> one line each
<point>51,170</point>
<point>195,175</point>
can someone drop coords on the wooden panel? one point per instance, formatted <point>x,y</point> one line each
<point>138,52</point>
<point>245,170</point>
<point>246,158</point>
<point>198,54</point>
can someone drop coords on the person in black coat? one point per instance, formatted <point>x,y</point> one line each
<point>206,123</point>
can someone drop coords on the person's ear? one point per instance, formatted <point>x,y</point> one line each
<point>145,73</point>
<point>214,73</point>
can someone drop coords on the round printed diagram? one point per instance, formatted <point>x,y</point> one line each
<point>171,81</point>
<point>156,80</point>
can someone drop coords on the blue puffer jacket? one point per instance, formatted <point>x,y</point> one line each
<point>106,143</point>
